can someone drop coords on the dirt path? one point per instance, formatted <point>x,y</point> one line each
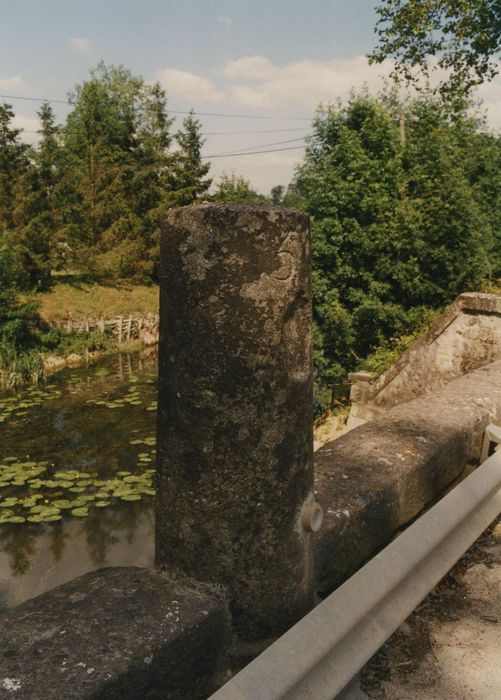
<point>450,647</point>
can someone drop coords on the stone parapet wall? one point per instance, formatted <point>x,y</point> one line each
<point>375,479</point>
<point>466,336</point>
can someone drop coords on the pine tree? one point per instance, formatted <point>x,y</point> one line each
<point>189,181</point>
<point>116,141</point>
<point>38,211</point>
<point>13,164</point>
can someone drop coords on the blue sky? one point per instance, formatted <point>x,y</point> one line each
<point>273,60</point>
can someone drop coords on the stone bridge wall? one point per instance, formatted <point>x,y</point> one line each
<point>466,336</point>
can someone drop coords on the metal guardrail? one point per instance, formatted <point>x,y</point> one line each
<point>319,657</point>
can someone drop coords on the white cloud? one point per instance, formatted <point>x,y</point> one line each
<point>305,83</point>
<point>188,87</point>
<point>250,68</point>
<point>30,126</point>
<point>254,84</point>
<point>80,44</point>
<point>15,82</point>
<point>225,21</point>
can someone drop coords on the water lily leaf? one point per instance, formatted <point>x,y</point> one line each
<point>148,492</point>
<point>36,509</point>
<point>52,484</point>
<point>9,502</point>
<point>131,497</point>
<point>80,512</point>
<point>65,475</point>
<point>63,504</point>
<point>102,504</point>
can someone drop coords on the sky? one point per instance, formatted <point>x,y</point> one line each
<point>259,67</point>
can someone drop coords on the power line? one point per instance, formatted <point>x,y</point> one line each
<point>171,111</point>
<point>255,131</point>
<point>33,99</point>
<point>262,145</point>
<point>202,133</point>
<point>253,153</point>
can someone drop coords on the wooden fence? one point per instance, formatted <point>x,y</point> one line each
<point>125,328</point>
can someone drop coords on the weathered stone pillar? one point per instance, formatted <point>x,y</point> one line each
<point>235,476</point>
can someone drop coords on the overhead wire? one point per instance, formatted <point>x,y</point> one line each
<point>171,111</point>
<point>252,153</point>
<point>262,145</point>
<point>246,151</point>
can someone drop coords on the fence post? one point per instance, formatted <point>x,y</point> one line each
<point>235,500</point>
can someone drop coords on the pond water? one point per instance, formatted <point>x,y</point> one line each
<point>77,460</point>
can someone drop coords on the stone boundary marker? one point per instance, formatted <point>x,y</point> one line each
<point>234,439</point>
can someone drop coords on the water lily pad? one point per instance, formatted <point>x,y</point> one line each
<point>63,504</point>
<point>131,497</point>
<point>66,476</point>
<point>80,512</point>
<point>102,504</point>
<point>9,502</point>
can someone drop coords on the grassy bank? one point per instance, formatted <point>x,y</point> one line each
<point>41,343</point>
<point>78,299</point>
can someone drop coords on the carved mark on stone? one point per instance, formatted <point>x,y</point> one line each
<point>295,336</point>
<point>288,255</point>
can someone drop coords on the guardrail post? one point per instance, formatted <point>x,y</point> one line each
<point>235,499</point>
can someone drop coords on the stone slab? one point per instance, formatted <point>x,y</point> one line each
<point>375,479</point>
<point>115,633</point>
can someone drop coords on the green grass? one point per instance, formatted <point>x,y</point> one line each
<point>79,299</point>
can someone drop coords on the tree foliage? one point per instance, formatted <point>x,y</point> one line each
<point>399,221</point>
<point>189,172</point>
<point>115,152</point>
<point>235,188</point>
<point>463,35</point>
